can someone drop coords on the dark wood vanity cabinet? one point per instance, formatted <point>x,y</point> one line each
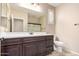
<point>27,46</point>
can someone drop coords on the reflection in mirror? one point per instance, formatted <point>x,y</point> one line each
<point>16,18</point>
<point>34,23</point>
<point>3,21</point>
<point>18,25</point>
<point>3,17</point>
<point>0,28</point>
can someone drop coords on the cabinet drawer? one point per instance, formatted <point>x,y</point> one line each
<point>49,37</point>
<point>28,39</point>
<point>10,41</point>
<point>32,39</point>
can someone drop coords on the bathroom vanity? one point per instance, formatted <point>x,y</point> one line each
<point>33,45</point>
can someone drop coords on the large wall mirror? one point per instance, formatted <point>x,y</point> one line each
<point>22,18</point>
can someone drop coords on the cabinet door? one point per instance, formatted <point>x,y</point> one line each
<point>12,50</point>
<point>3,53</point>
<point>41,47</point>
<point>49,43</point>
<point>30,49</point>
<point>11,47</point>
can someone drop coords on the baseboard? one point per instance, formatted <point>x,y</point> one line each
<point>71,51</point>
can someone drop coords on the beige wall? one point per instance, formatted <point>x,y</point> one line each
<point>66,16</point>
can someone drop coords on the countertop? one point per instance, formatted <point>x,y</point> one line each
<point>16,35</point>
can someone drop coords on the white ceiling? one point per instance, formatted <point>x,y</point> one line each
<point>54,4</point>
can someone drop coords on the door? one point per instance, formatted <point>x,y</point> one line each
<point>30,49</point>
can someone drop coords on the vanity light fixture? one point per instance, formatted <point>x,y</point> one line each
<point>32,6</point>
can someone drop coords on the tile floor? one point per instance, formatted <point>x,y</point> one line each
<point>55,53</point>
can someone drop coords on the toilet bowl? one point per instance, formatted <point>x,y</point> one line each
<point>58,46</point>
<point>58,43</point>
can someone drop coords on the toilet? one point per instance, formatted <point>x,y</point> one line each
<point>58,45</point>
